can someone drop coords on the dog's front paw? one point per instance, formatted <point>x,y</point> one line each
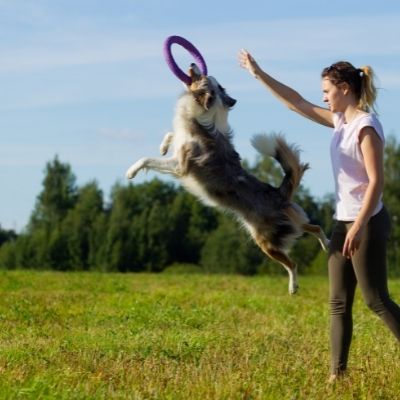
<point>133,170</point>
<point>165,143</point>
<point>131,173</point>
<point>164,149</point>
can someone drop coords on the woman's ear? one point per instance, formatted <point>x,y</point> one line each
<point>344,86</point>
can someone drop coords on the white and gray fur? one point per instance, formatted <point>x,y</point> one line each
<point>207,165</point>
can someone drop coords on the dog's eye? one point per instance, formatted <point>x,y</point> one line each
<point>199,93</point>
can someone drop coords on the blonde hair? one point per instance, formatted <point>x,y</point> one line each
<point>361,81</point>
<point>368,90</point>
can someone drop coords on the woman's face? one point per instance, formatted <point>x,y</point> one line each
<point>334,95</point>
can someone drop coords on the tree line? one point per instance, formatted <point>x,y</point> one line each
<point>157,226</point>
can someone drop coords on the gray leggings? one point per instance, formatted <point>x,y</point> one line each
<point>367,268</point>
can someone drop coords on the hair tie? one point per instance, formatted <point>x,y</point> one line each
<point>361,73</point>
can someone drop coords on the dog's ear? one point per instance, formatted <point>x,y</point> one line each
<point>228,101</point>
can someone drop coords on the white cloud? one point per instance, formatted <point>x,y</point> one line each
<point>277,40</point>
<point>303,39</point>
<point>64,51</point>
<point>75,52</point>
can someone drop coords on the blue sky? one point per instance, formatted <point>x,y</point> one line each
<point>86,80</point>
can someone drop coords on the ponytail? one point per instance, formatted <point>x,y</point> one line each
<point>368,89</point>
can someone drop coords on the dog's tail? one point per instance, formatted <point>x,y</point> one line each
<point>274,145</point>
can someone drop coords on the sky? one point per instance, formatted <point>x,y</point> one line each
<point>85,80</point>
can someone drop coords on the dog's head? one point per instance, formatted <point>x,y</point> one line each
<point>207,91</point>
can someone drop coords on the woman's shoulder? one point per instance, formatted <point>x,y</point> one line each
<point>372,120</point>
<point>367,116</point>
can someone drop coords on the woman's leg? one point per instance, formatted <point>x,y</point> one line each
<point>342,284</point>
<point>369,263</point>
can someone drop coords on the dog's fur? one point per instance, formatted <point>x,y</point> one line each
<point>208,166</point>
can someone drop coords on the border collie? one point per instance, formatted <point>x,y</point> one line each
<point>207,165</point>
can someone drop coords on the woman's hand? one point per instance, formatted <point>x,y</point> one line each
<point>352,241</point>
<point>246,61</point>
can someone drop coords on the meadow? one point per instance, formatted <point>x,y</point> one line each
<point>166,336</point>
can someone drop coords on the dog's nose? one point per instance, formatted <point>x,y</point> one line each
<point>231,102</point>
<point>195,69</point>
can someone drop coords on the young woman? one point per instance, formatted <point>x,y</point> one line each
<point>358,244</point>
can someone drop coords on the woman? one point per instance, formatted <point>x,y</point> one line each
<point>358,244</point>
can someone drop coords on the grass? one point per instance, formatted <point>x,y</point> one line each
<point>115,336</point>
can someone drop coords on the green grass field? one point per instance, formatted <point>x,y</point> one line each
<point>115,336</point>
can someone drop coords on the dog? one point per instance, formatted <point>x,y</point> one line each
<point>207,164</point>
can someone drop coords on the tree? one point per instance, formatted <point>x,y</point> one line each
<point>229,249</point>
<point>46,242</point>
<point>149,226</point>
<point>79,227</point>
<point>120,244</point>
<point>137,236</point>
<point>6,235</point>
<point>190,224</point>
<point>57,197</point>
<point>391,197</point>
<point>7,248</point>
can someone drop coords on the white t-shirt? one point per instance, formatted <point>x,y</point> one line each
<point>351,179</point>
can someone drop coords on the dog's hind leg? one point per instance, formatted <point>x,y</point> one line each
<point>284,260</point>
<point>317,231</point>
<point>167,166</point>
<point>289,265</point>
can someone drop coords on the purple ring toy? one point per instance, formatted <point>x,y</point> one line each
<point>191,49</point>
